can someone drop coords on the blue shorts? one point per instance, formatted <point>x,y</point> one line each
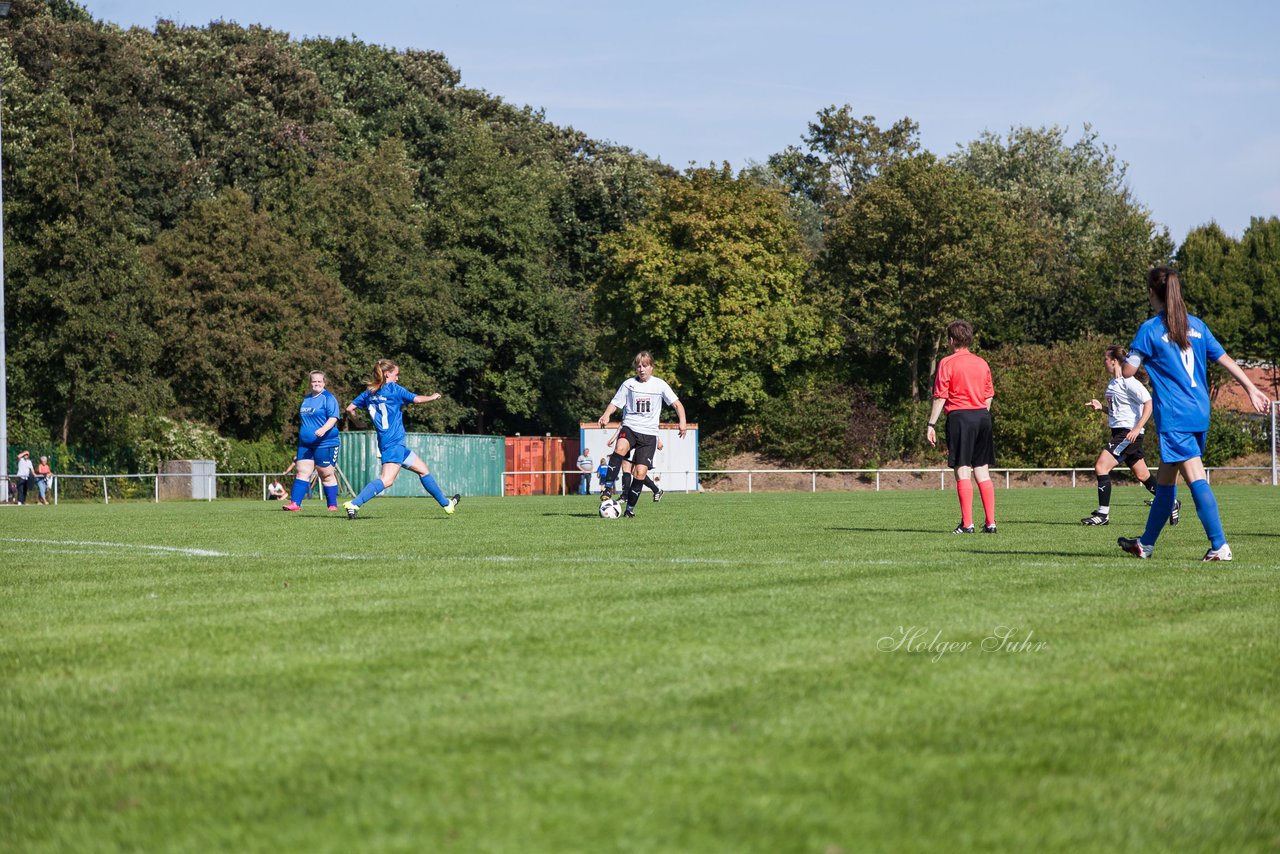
<point>1180,447</point>
<point>324,457</point>
<point>399,455</point>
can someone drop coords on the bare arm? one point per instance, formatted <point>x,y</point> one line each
<point>608,411</point>
<point>1259,400</point>
<point>1133,434</point>
<point>679,407</point>
<point>934,412</point>
<point>426,398</point>
<point>324,428</point>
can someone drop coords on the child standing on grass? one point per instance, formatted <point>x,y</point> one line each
<point>1175,348</point>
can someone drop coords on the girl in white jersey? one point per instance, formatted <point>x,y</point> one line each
<point>1128,410</point>
<point>641,399</point>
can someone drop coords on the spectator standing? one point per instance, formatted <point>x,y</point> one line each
<point>586,467</point>
<point>44,479</point>
<point>25,475</point>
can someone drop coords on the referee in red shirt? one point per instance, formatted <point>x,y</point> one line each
<point>963,385</point>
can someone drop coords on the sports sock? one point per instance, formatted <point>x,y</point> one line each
<point>1104,493</point>
<point>1207,510</point>
<point>626,482</point>
<point>964,489</point>
<point>331,495</point>
<point>433,489</point>
<point>633,494</point>
<point>615,463</point>
<point>299,492</point>
<point>1161,507</point>
<point>371,490</point>
<point>987,490</point>
<point>653,487</point>
<point>1150,483</point>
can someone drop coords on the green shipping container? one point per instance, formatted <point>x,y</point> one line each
<point>470,465</point>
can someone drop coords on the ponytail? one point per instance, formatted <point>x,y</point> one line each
<point>1165,283</point>
<point>380,370</point>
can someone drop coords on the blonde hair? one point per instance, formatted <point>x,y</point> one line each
<point>642,356</point>
<point>319,374</point>
<point>380,370</point>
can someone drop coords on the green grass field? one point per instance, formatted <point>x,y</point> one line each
<point>724,673</point>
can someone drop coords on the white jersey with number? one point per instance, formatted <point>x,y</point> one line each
<point>641,403</point>
<point>1127,396</point>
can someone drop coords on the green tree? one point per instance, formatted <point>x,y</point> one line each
<point>842,153</point>
<point>1038,413</point>
<point>713,281</point>
<point>1214,287</point>
<point>1260,271</point>
<point>1093,241</point>
<point>490,229</point>
<point>915,248</point>
<point>81,340</point>
<point>246,313</point>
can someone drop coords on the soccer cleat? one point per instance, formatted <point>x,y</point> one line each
<point>333,508</point>
<point>657,496</point>
<point>453,502</point>
<point>961,529</point>
<point>1096,518</point>
<point>292,507</point>
<point>1175,515</point>
<point>606,493</point>
<point>352,509</point>
<point>988,529</point>
<point>1149,502</point>
<point>1223,552</point>
<point>1135,547</point>
<point>629,513</point>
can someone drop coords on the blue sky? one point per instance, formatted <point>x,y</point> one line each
<point>1187,93</point>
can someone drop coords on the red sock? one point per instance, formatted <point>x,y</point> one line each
<point>987,490</point>
<point>964,488</point>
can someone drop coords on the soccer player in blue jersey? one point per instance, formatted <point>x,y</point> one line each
<point>383,401</point>
<point>1175,348</point>
<point>317,445</point>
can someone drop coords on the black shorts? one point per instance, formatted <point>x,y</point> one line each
<point>643,447</point>
<point>969,441</point>
<point>1122,449</point>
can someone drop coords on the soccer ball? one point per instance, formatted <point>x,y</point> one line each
<point>610,510</point>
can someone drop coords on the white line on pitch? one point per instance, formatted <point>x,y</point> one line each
<point>167,549</point>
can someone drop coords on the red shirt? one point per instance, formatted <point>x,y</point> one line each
<point>964,381</point>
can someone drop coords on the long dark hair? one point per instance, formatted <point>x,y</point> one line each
<point>1165,283</point>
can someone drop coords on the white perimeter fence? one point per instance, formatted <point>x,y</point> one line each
<point>132,487</point>
<point>877,479</point>
<point>249,484</point>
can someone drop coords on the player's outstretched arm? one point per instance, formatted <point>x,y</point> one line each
<point>608,411</point>
<point>1259,400</point>
<point>426,398</point>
